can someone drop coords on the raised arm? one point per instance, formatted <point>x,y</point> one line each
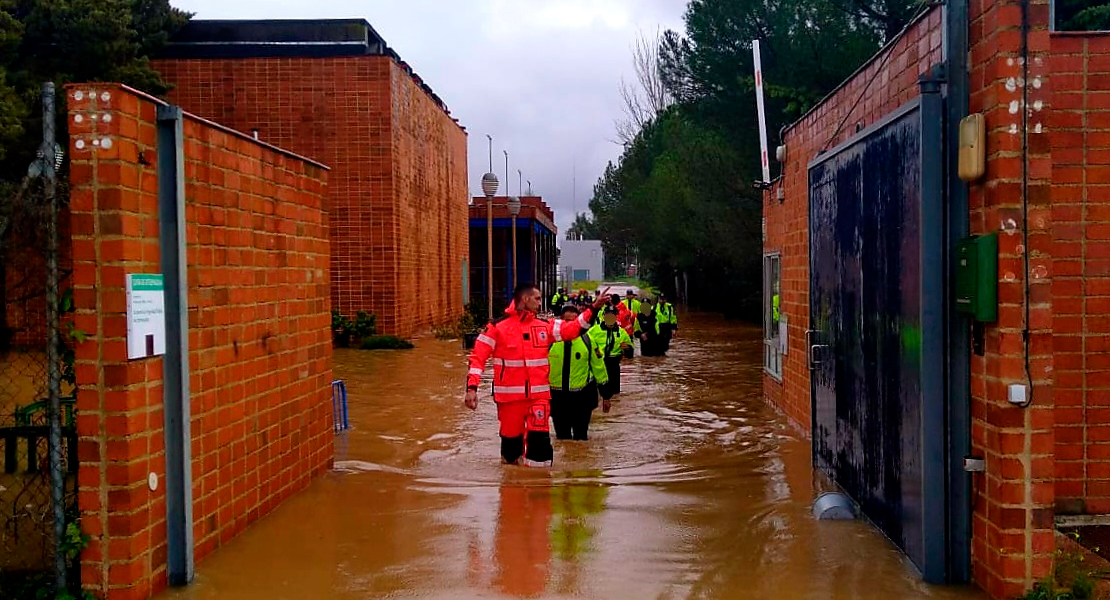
<point>562,331</point>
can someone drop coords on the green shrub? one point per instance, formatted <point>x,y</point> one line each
<point>385,342</point>
<point>479,315</point>
<point>1071,578</point>
<point>464,325</point>
<point>344,330</point>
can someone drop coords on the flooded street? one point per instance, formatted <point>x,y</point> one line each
<point>690,488</point>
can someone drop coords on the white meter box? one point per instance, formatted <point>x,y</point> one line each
<point>146,316</point>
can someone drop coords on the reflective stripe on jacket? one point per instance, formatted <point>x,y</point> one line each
<point>609,340</point>
<point>575,364</point>
<point>518,344</point>
<point>666,314</point>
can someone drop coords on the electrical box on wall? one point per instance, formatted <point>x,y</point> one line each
<point>977,277</point>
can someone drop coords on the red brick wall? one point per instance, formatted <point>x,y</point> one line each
<point>431,194</point>
<point>1080,126</point>
<point>890,82</point>
<point>260,348</point>
<point>1013,505</point>
<point>397,191</point>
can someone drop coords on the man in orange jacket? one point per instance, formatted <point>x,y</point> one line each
<point>519,343</point>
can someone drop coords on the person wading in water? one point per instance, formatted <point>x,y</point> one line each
<point>519,343</point>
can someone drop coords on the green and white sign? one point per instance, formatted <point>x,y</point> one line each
<point>146,316</point>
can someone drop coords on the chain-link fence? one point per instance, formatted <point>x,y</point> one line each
<point>37,491</point>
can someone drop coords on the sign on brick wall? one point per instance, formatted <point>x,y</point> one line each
<point>146,316</point>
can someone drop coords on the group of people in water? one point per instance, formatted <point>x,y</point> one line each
<point>558,368</point>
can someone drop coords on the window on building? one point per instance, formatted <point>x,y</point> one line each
<point>772,315</point>
<point>1080,15</point>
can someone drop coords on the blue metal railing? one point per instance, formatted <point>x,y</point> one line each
<point>340,419</point>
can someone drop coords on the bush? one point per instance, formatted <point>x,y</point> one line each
<point>344,330</point>
<point>1072,578</point>
<point>479,315</point>
<point>385,342</point>
<point>470,322</point>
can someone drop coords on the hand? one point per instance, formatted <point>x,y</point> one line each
<point>606,406</point>
<point>471,400</point>
<point>601,300</point>
<point>625,346</point>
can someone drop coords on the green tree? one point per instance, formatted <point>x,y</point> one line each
<point>63,41</point>
<point>681,196</point>
<point>1083,15</point>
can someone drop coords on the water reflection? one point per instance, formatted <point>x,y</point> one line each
<point>690,488</point>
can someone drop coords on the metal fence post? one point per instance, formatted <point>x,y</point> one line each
<point>54,373</point>
<point>933,301</point>
<point>959,347</point>
<point>178,436</point>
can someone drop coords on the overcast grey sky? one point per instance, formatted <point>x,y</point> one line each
<point>541,76</point>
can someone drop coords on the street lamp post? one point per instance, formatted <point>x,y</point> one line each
<point>514,210</point>
<point>508,275</point>
<point>489,188</point>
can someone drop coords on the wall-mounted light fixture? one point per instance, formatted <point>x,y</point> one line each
<point>973,147</point>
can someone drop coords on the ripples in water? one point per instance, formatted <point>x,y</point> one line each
<point>690,488</point>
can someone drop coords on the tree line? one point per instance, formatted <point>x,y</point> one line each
<point>680,201</point>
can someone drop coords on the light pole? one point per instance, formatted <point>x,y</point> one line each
<point>514,210</point>
<point>489,188</point>
<point>519,183</point>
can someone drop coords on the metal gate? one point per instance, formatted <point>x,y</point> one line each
<point>38,440</point>
<point>878,425</point>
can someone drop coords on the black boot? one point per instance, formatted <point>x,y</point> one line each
<point>512,449</point>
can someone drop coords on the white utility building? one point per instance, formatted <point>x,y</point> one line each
<point>581,260</point>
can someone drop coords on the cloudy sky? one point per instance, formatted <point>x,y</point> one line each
<point>541,76</point>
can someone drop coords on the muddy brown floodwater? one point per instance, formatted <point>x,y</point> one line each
<point>690,488</point>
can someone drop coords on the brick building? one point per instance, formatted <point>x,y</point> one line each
<point>536,248</point>
<point>871,357</point>
<point>334,91</point>
<point>170,471</point>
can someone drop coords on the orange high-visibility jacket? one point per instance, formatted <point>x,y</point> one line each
<point>625,318</point>
<point>519,344</point>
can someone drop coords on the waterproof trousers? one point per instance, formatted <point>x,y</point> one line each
<point>666,332</point>
<point>524,430</point>
<point>572,411</point>
<point>652,345</point>
<point>613,368</point>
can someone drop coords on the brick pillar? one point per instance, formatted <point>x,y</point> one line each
<point>115,224</point>
<point>1013,513</point>
<point>260,345</point>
